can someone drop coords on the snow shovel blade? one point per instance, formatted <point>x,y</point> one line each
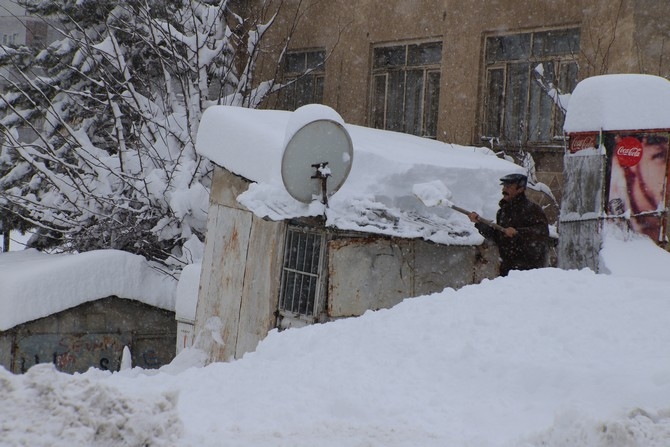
<point>436,193</point>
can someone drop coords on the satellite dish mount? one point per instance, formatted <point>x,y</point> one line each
<point>322,173</point>
<point>317,160</point>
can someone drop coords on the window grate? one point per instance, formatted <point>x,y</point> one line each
<point>301,275</point>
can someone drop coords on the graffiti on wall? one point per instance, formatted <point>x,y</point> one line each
<point>78,352</point>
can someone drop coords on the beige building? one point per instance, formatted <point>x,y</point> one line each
<point>471,72</point>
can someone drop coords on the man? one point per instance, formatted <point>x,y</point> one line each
<point>523,242</point>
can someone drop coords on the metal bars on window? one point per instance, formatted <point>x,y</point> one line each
<point>301,275</point>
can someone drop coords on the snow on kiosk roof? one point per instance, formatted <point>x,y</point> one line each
<point>619,102</point>
<point>377,195</point>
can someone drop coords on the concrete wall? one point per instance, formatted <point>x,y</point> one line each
<point>616,36</point>
<point>92,335</point>
<point>374,273</point>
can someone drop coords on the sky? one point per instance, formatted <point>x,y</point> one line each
<point>549,357</point>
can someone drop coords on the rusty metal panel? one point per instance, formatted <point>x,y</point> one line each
<point>222,277</point>
<point>439,266</point>
<point>261,283</point>
<point>368,273</point>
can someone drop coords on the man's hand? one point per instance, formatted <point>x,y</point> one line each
<point>510,232</point>
<point>474,217</point>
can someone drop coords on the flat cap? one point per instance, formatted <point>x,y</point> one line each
<point>517,179</point>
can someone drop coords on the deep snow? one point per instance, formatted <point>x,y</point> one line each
<point>547,358</point>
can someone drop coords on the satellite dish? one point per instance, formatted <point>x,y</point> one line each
<point>317,160</point>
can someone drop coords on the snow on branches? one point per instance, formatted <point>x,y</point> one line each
<point>99,126</point>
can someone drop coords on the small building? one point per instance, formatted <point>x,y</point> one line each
<point>616,164</point>
<point>272,261</point>
<point>79,311</point>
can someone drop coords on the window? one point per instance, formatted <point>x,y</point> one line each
<point>406,88</point>
<point>517,108</point>
<point>301,286</point>
<point>304,72</point>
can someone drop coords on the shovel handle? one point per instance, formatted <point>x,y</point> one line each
<point>490,223</point>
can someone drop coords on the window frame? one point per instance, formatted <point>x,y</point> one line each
<point>395,66</point>
<point>500,61</point>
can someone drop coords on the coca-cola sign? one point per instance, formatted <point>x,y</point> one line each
<point>628,151</point>
<point>579,142</point>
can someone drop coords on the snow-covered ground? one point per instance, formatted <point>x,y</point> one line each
<point>546,358</point>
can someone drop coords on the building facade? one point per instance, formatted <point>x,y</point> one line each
<point>476,72</point>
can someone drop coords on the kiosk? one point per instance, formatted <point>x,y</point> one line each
<point>616,164</point>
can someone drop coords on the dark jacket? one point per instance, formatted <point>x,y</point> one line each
<point>528,249</point>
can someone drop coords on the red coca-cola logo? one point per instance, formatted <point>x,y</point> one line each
<point>581,142</point>
<point>628,151</point>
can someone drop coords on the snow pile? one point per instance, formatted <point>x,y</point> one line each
<point>377,194</point>
<point>646,261</point>
<point>35,285</point>
<point>543,358</point>
<point>55,409</point>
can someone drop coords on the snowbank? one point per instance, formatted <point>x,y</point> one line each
<point>545,358</point>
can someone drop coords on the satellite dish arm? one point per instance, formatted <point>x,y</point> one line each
<point>322,173</point>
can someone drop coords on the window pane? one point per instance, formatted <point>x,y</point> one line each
<point>395,101</point>
<point>424,54</point>
<point>541,106</point>
<point>516,97</point>
<point>295,62</point>
<point>507,48</point>
<point>494,106</point>
<point>556,42</point>
<point>413,102</point>
<point>432,103</point>
<point>539,118</point>
<point>378,102</point>
<point>567,80</point>
<point>315,59</point>
<point>389,57</point>
<point>318,90</point>
<point>304,91</point>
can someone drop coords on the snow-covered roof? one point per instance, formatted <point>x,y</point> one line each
<point>377,194</point>
<point>35,285</point>
<point>619,102</point>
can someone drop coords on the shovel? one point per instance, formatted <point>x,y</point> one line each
<point>436,193</point>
